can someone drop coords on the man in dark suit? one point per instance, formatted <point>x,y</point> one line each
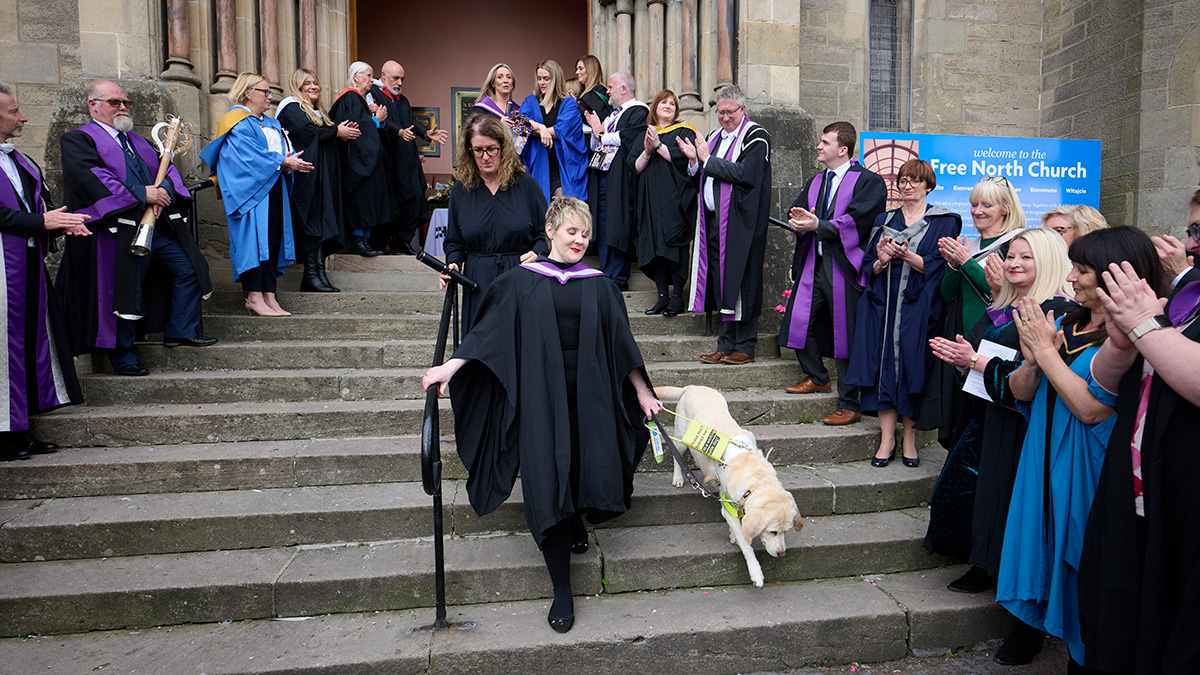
<point>404,160</point>
<point>613,188</point>
<point>832,218</point>
<point>110,177</point>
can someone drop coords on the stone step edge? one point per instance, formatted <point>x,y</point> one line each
<point>786,626</point>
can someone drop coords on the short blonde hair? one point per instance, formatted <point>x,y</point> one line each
<point>488,90</point>
<point>1083,218</point>
<point>243,84</point>
<point>565,209</point>
<point>1050,256</point>
<point>997,190</point>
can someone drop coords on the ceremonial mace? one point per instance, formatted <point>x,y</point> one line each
<point>177,142</point>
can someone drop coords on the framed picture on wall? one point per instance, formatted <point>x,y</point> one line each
<point>462,99</point>
<point>429,118</point>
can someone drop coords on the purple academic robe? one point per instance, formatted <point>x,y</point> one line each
<point>39,376</point>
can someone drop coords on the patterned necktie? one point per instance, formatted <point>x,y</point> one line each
<point>823,199</point>
<point>125,143</point>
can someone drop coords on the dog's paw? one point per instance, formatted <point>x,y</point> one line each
<point>757,579</point>
<point>677,481</point>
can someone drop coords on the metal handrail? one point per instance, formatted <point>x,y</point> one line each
<point>431,452</point>
<point>194,220</point>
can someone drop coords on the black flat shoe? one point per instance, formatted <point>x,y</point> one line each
<point>561,624</point>
<point>1022,645</point>
<point>674,308</point>
<point>580,547</point>
<point>883,461</point>
<point>189,342</point>
<point>911,462</point>
<point>132,371</point>
<point>9,453</point>
<point>976,580</point>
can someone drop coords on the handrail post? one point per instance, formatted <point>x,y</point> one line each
<point>431,453</point>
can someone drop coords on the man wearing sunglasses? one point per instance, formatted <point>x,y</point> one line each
<point>1179,257</point>
<point>111,295</point>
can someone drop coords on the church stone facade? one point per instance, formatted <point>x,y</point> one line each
<point>1121,71</point>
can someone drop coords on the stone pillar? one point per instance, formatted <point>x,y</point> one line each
<point>308,34</point>
<point>657,49</point>
<point>179,45</point>
<point>725,32</point>
<point>624,16</point>
<point>269,46</point>
<point>689,98</point>
<point>226,39</point>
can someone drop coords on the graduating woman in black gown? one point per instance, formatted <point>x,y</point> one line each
<point>552,339</point>
<point>593,88</point>
<point>968,510</point>
<point>317,195</point>
<point>496,210</point>
<point>666,203</point>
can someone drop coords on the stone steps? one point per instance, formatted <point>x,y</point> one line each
<point>378,353</point>
<point>136,524</point>
<point>172,423</point>
<point>223,585</point>
<point>372,384</point>
<point>199,467</point>
<point>714,631</point>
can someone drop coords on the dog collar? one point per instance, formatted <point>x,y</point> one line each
<point>737,509</point>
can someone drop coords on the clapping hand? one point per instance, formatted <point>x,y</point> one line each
<point>1038,333</point>
<point>957,352</point>
<point>438,135</point>
<point>955,252</point>
<point>994,272</point>
<point>69,223</point>
<point>803,220</point>
<point>294,162</point>
<point>1173,254</point>
<point>407,134</point>
<point>348,131</point>
<point>592,121</point>
<point>1129,301</point>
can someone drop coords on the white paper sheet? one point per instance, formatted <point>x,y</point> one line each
<point>974,384</point>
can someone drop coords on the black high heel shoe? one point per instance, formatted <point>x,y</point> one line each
<point>910,462</point>
<point>658,306</point>
<point>883,461</point>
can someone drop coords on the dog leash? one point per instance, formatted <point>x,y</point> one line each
<point>737,508</point>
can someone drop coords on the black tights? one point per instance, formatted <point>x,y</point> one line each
<point>556,550</point>
<point>664,276</point>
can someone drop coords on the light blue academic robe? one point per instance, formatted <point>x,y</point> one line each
<point>1039,564</point>
<point>247,170</point>
<point>570,147</point>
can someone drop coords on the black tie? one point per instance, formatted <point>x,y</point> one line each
<point>125,143</point>
<point>822,204</point>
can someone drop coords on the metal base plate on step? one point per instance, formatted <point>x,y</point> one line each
<point>439,627</point>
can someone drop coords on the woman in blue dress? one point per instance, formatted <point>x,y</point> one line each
<point>1070,420</point>
<point>901,307</point>
<point>556,154</point>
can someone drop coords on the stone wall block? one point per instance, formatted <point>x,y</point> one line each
<point>944,37</point>
<point>1005,50</point>
<point>1073,53</point>
<point>1013,13</point>
<point>1002,99</point>
<point>755,11</point>
<point>816,18</point>
<point>1115,209</point>
<point>824,72</point>
<point>770,43</point>
<point>48,20</point>
<point>848,28</point>
<point>785,85</point>
<point>1003,117</point>
<point>758,84</point>
<point>70,63</point>
<point>1166,38</point>
<point>8,21</point>
<point>1052,80</point>
<point>825,54</point>
<point>1057,129</point>
<point>812,35</point>
<point>1031,34</point>
<point>989,31</point>
<point>1074,35</point>
<point>971,11</point>
<point>26,62</point>
<point>786,11</point>
<point>136,56</point>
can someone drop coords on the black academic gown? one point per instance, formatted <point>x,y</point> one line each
<point>486,233</point>
<point>622,182</point>
<point>749,174</point>
<point>316,195</point>
<point>595,100</point>
<point>1139,591</point>
<point>368,199</point>
<point>410,177</point>
<point>666,206</point>
<point>969,505</point>
<point>91,185</point>
<point>512,409</point>
<point>847,220</point>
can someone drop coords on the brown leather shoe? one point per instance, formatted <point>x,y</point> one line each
<point>714,357</point>
<point>842,416</point>
<point>738,358</point>
<point>807,387</point>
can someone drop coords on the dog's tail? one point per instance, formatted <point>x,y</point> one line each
<point>668,394</point>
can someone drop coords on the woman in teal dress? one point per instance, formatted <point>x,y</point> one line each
<point>1070,420</point>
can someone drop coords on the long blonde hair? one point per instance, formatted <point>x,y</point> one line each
<point>465,168</point>
<point>557,90</point>
<point>488,90</point>
<point>1050,257</point>
<point>314,114</point>
<point>595,72</point>
<point>997,190</point>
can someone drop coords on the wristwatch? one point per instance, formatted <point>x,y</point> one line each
<point>974,359</point>
<point>1147,326</point>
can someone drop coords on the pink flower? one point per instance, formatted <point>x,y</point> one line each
<point>787,293</point>
<point>780,308</point>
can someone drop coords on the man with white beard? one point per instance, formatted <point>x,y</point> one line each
<point>112,296</point>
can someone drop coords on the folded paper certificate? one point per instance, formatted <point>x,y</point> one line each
<point>974,384</point>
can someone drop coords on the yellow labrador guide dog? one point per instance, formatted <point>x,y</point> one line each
<point>767,510</point>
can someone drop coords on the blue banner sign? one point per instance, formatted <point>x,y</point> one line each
<point>1045,172</point>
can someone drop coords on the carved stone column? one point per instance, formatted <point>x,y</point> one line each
<point>657,50</point>
<point>226,39</point>
<point>726,27</point>
<point>624,15</point>
<point>269,45</point>
<point>308,34</point>
<point>689,98</point>
<point>179,45</point>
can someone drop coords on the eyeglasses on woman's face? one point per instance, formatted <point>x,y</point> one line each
<point>906,181</point>
<point>489,151</point>
<point>265,92</point>
<point>1193,231</point>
